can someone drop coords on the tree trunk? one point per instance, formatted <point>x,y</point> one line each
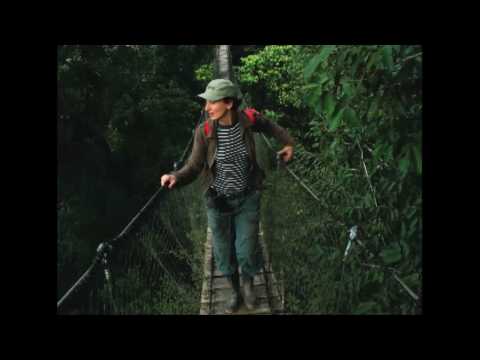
<point>223,62</point>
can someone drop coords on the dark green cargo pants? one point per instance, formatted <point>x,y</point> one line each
<point>235,234</point>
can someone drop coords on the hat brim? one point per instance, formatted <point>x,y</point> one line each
<point>210,97</point>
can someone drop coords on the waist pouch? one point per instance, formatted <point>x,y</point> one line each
<point>219,201</point>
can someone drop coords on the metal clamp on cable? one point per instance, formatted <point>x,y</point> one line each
<point>353,235</point>
<point>102,253</point>
<point>103,249</point>
<point>176,165</point>
<point>105,267</point>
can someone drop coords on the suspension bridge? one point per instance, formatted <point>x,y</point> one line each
<point>156,252</point>
<point>162,260</point>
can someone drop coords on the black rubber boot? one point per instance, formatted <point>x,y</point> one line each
<point>233,301</point>
<point>249,292</point>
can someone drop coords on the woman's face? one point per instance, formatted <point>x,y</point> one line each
<point>216,109</point>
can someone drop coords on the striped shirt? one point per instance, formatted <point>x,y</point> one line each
<point>232,160</point>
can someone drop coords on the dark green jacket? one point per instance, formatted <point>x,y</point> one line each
<point>202,158</point>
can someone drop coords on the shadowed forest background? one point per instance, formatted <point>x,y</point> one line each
<point>126,113</point>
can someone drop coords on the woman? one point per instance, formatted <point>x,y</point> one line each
<point>224,154</point>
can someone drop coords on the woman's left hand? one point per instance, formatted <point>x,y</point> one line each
<point>286,153</point>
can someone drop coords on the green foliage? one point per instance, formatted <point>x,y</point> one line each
<point>162,300</point>
<point>317,60</point>
<point>205,73</point>
<point>124,110</point>
<point>391,255</point>
<point>271,76</point>
<point>364,111</point>
<point>124,115</point>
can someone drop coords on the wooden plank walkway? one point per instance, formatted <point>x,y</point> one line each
<point>270,295</point>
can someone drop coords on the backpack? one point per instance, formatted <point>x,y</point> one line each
<point>249,112</point>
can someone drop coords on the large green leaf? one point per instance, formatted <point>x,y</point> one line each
<point>366,307</point>
<point>317,60</point>
<point>372,63</point>
<point>387,57</point>
<point>314,91</point>
<point>418,159</point>
<point>311,67</point>
<point>372,110</point>
<point>329,105</point>
<point>333,146</point>
<point>310,87</point>
<point>322,78</point>
<point>313,96</point>
<point>405,248</point>
<point>347,89</point>
<point>404,164</point>
<point>403,230</point>
<point>351,117</point>
<point>391,255</point>
<point>318,105</point>
<point>336,120</point>
<point>412,227</point>
<point>340,60</point>
<point>412,280</point>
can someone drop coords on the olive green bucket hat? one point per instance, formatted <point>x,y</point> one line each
<point>219,89</point>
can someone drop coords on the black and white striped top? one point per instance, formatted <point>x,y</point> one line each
<point>231,160</point>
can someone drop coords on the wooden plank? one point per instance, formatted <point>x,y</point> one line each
<point>274,290</point>
<point>277,304</point>
<point>215,287</point>
<point>223,294</point>
<point>207,280</point>
<point>205,296</point>
<point>207,255</point>
<point>263,305</point>
<point>262,308</point>
<point>217,274</point>
<point>204,311</point>
<point>221,282</point>
<point>259,279</point>
<point>261,298</point>
<point>275,287</point>
<point>273,284</point>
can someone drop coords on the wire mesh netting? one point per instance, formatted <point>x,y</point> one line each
<point>308,241</point>
<point>156,268</point>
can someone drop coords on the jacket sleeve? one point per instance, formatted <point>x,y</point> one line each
<point>272,129</point>
<point>195,162</point>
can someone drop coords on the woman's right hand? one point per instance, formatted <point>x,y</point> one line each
<point>168,180</point>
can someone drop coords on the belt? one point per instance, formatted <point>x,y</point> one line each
<point>234,195</point>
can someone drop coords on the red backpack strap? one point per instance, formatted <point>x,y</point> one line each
<point>251,114</point>
<point>206,129</point>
